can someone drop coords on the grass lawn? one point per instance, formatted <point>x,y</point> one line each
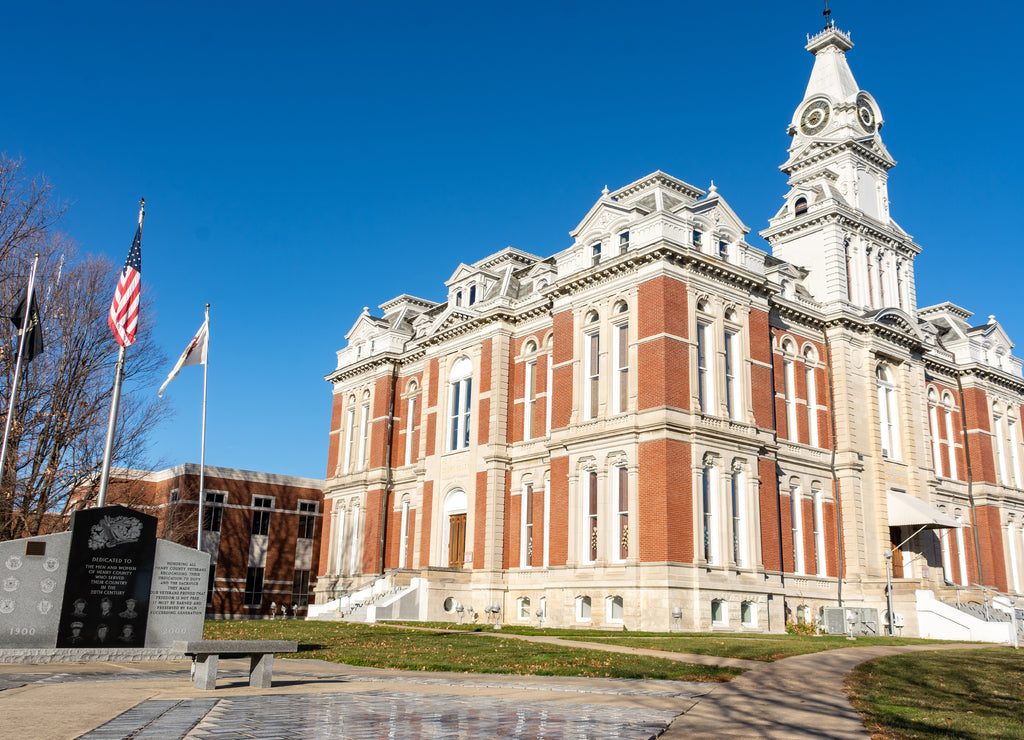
<point>963,694</point>
<point>392,647</point>
<point>731,645</point>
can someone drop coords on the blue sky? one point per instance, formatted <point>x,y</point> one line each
<point>300,164</point>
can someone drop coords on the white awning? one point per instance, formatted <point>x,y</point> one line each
<point>907,511</point>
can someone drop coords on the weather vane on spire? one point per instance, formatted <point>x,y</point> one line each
<point>827,13</point>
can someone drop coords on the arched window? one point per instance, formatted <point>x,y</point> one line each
<point>620,352</point>
<point>591,365</point>
<point>796,508</point>
<point>350,435</point>
<point>364,432</point>
<point>789,389</point>
<point>800,206</point>
<point>705,350</point>
<point>818,512</point>
<point>549,385</point>
<point>888,420</point>
<point>810,360</point>
<point>719,616</point>
<point>529,389</point>
<point>614,611</point>
<point>935,431</point>
<point>403,544</point>
<point>950,441</point>
<point>583,609</point>
<point>472,294</point>
<point>410,420</point>
<point>523,608</point>
<point>460,385</point>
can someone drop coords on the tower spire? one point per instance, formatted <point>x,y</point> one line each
<point>828,15</point>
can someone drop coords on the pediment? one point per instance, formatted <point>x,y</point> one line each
<point>716,208</point>
<point>466,272</point>
<point>366,326</point>
<point>601,217</point>
<point>896,318</point>
<point>449,317</point>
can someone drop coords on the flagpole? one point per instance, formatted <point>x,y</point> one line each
<point>17,368</point>
<point>115,402</point>
<point>202,448</point>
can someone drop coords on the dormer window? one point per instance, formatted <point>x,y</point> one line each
<point>723,249</point>
<point>623,242</point>
<point>458,298</point>
<point>595,254</point>
<point>800,207</point>
<point>697,236</point>
<point>472,294</point>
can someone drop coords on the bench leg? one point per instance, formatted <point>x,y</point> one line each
<point>204,671</point>
<point>261,670</point>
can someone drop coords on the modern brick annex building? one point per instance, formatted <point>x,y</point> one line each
<point>262,531</point>
<point>663,417</point>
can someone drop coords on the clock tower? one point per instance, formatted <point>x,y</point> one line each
<point>835,221</point>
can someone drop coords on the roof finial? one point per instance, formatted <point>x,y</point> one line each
<point>605,191</point>
<point>828,16</point>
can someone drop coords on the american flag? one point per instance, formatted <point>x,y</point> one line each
<point>124,309</point>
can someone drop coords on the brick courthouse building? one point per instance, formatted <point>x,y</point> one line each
<point>665,426</point>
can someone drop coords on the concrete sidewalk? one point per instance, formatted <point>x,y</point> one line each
<point>799,697</point>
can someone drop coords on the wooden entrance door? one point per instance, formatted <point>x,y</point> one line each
<point>456,540</point>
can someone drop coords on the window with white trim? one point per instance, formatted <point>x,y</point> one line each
<point>732,385</point>
<point>620,354</point>
<point>529,395</point>
<point>1014,445</point>
<point>350,436</point>
<point>523,608</point>
<point>719,616</point>
<point>709,511</point>
<point>888,419</point>
<point>621,483</point>
<point>947,563</point>
<point>262,506</point>
<point>595,253</point>
<point>592,532</point>
<point>738,512</point>
<point>547,518</point>
<point>354,540</point>
<point>550,385</point>
<point>592,366</point>
<point>460,386</point>
<point>812,398</point>
<point>961,548</point>
<point>583,609</point>
<point>705,384</point>
<point>789,386</point>
<point>526,534</point>
<point>307,519</point>
<point>403,543</point>
<point>340,538</point>
<point>614,609</point>
<point>817,502</point>
<point>1012,545</point>
<point>997,434</point>
<point>213,511</point>
<point>410,423</point>
<point>748,614</point>
<point>947,403</point>
<point>364,431</point>
<point>933,428</point>
<point>623,242</point>
<point>797,521</point>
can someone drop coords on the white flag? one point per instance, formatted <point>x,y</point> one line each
<point>194,354</point>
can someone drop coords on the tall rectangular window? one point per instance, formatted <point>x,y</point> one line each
<point>526,539</point>
<point>300,588</point>
<point>708,506</point>
<point>812,408</point>
<point>213,511</point>
<point>592,361</point>
<point>961,551</point>
<point>410,428</point>
<point>595,253</point>
<point>623,242</point>
<point>1011,442</point>
<point>739,544</point>
<point>819,533</point>
<point>790,388</point>
<point>732,386</point>
<point>622,484</point>
<point>307,519</point>
<point>461,389</point>
<point>262,506</point>
<point>350,438</point>
<point>547,519</point>
<point>592,534</point>
<point>947,564</point>
<point>364,434</point>
<point>1011,540</point>
<point>253,587</point>
<point>705,401</point>
<point>796,512</point>
<point>530,399</point>
<point>887,417</point>
<point>403,546</point>
<point>354,540</point>
<point>950,444</point>
<point>933,423</point>
<point>997,426</point>
<point>620,349</point>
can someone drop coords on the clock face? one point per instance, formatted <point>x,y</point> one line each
<point>865,113</point>
<point>815,117</point>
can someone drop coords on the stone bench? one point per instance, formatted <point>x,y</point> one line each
<point>206,653</point>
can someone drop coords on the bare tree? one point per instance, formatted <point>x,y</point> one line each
<point>63,400</point>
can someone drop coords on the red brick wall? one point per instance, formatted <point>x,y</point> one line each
<point>990,540</point>
<point>665,516</point>
<point>979,427</point>
<point>769,502</point>
<point>334,435</point>
<point>559,510</point>
<point>828,511</point>
<point>562,351</point>
<point>370,524</point>
<point>760,375</point>
<point>663,377</point>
